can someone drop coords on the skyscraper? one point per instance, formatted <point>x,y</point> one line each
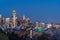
<point>37,24</point>
<point>14,18</point>
<point>0,15</point>
<point>0,18</point>
<point>7,22</point>
<point>24,17</point>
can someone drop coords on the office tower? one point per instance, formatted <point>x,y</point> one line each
<point>7,22</point>
<point>0,18</point>
<point>37,24</point>
<point>14,18</point>
<point>31,32</point>
<point>42,24</point>
<point>24,17</point>
<point>0,15</point>
<point>3,20</point>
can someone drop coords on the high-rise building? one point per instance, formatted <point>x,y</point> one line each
<point>24,17</point>
<point>42,25</point>
<point>37,24</point>
<point>0,15</point>
<point>7,22</point>
<point>0,18</point>
<point>3,20</point>
<point>14,18</point>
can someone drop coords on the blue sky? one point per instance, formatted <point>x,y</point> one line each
<point>42,10</point>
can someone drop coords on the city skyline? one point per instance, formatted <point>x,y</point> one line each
<point>43,10</point>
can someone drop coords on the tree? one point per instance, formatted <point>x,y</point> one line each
<point>3,36</point>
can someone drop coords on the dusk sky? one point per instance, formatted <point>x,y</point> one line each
<point>42,10</point>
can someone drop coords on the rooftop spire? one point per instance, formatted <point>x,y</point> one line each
<point>14,12</point>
